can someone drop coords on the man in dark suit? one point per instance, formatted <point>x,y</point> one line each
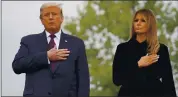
<point>55,63</point>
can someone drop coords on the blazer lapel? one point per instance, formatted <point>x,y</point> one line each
<point>63,41</point>
<point>43,43</point>
<point>62,45</point>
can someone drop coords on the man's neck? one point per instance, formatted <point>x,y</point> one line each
<point>52,31</point>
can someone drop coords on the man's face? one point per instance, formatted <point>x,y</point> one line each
<point>140,24</point>
<point>52,19</point>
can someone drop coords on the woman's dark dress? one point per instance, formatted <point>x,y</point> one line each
<point>154,80</point>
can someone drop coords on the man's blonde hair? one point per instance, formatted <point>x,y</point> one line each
<point>50,4</point>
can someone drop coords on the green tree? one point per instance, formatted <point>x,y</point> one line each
<point>105,24</point>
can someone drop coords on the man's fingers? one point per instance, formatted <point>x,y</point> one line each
<point>62,55</point>
<point>62,58</point>
<point>66,52</point>
<point>65,55</point>
<point>63,52</point>
<point>59,50</point>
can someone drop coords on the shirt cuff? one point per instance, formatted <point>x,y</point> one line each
<point>48,61</point>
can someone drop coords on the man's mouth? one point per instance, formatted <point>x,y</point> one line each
<point>51,22</point>
<point>138,28</point>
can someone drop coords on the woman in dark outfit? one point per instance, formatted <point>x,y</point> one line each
<point>142,65</point>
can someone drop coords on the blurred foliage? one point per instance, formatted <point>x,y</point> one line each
<point>104,24</point>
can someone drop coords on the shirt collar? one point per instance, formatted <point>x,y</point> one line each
<point>58,34</point>
<point>135,42</point>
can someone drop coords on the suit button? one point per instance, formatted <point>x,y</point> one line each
<point>49,93</point>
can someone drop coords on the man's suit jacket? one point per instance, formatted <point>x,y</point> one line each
<point>70,77</point>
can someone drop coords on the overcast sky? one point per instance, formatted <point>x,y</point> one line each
<point>20,18</point>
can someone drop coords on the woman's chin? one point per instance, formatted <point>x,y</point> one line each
<point>139,32</point>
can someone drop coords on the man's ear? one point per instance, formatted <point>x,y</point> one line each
<point>41,19</point>
<point>62,19</point>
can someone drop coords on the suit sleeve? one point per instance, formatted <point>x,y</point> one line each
<point>25,62</point>
<point>83,73</point>
<point>167,80</point>
<point>125,70</point>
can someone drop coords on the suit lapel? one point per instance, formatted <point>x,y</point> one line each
<point>63,41</point>
<point>62,45</point>
<point>43,43</point>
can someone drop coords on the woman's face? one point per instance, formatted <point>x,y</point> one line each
<point>140,24</point>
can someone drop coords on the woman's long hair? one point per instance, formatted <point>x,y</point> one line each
<point>151,34</point>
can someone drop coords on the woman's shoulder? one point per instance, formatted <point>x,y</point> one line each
<point>163,47</point>
<point>122,45</point>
